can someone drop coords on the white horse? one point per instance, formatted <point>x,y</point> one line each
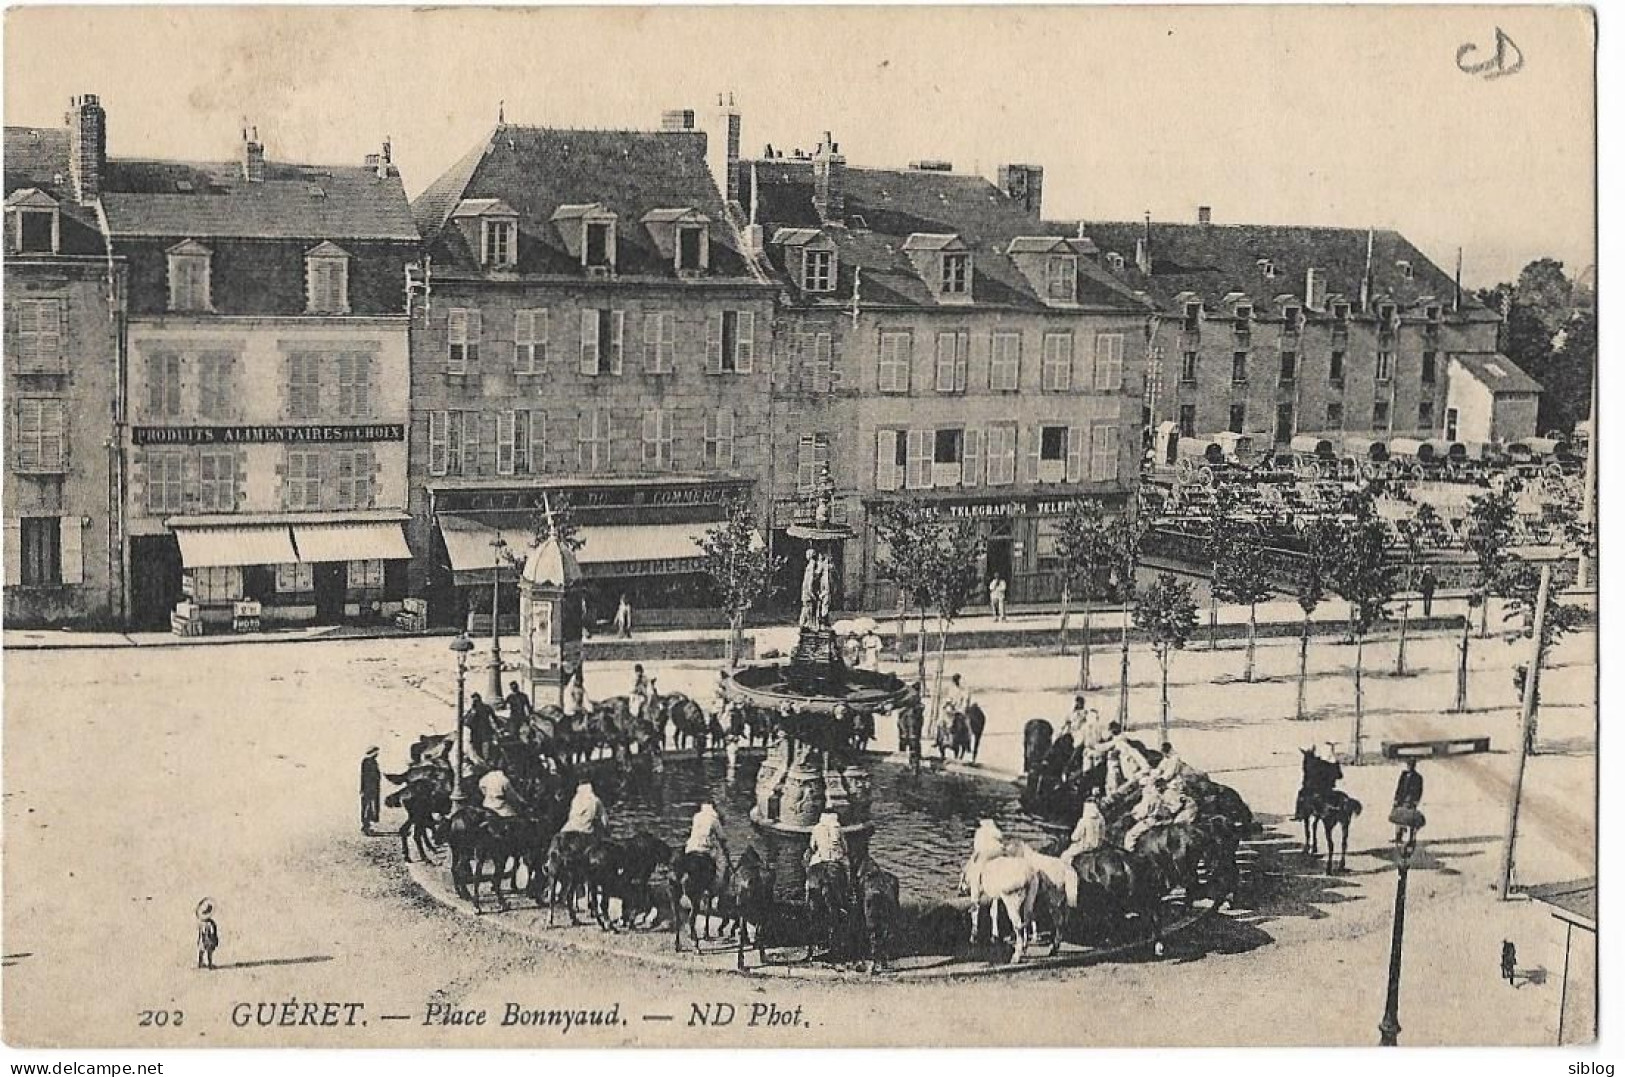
<point>1019,880</point>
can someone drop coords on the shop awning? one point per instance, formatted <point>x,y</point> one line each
<point>362,541</point>
<point>219,547</point>
<point>640,542</point>
<point>468,543</point>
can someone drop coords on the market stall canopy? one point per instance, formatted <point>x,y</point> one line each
<point>221,547</point>
<point>363,541</point>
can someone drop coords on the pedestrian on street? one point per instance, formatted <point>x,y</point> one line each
<point>623,619</point>
<point>871,650</point>
<point>996,590</point>
<point>1509,962</point>
<point>1428,584</point>
<point>518,704</point>
<point>208,934</point>
<point>481,720</point>
<point>371,786</point>
<point>1407,798</point>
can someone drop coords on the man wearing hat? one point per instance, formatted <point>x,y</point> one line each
<point>208,934</point>
<point>518,704</point>
<point>587,814</point>
<point>370,789</point>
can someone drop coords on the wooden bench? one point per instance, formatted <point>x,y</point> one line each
<point>1433,749</point>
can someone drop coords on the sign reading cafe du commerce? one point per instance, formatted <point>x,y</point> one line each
<point>265,435</point>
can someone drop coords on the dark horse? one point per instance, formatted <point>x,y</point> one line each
<point>880,904</point>
<point>1192,858</point>
<point>641,855</point>
<point>829,897</point>
<point>1331,810</point>
<point>694,880</point>
<point>428,803</point>
<point>749,903</point>
<point>477,836</point>
<point>687,719</point>
<point>1036,737</point>
<point>1120,885</point>
<point>567,871</point>
<point>965,735</point>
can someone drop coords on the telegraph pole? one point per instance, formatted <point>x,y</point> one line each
<point>1531,685</point>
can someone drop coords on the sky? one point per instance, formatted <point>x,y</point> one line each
<point>1335,116</point>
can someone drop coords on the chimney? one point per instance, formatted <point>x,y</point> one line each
<point>931,165</point>
<point>87,147</point>
<point>677,119</point>
<point>253,156</point>
<point>1142,248</point>
<point>1314,289</point>
<point>1024,184</point>
<point>829,180</point>
<point>722,148</point>
<point>1204,214</point>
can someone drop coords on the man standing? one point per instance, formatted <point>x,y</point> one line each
<point>481,721</point>
<point>370,788</point>
<point>1407,798</point>
<point>1427,585</point>
<point>623,619</point>
<point>996,591</point>
<point>518,704</point>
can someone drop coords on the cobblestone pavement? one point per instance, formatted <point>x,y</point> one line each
<point>137,782</point>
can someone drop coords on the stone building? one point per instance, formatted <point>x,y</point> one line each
<point>64,296</point>
<point>1279,330</point>
<point>594,330</point>
<point>266,389</point>
<point>938,339</point>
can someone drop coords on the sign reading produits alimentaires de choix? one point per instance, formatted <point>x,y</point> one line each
<point>265,435</point>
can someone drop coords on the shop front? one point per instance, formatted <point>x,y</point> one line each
<point>639,541</point>
<point>1019,539</point>
<point>247,574</point>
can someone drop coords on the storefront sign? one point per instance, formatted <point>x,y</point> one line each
<point>264,435</point>
<point>999,509</point>
<point>710,495</point>
<point>668,566</point>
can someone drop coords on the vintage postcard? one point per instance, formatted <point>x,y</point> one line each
<point>799,527</point>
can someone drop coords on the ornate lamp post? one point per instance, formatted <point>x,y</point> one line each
<point>1389,1026</point>
<point>499,548</point>
<point>460,646</point>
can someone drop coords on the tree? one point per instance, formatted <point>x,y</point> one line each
<point>909,531</point>
<point>738,564</point>
<point>1166,612</point>
<point>1521,584</point>
<point>555,515</point>
<point>1550,333</point>
<point>1124,535</point>
<point>953,555</point>
<point>1084,546</point>
<point>1363,576</point>
<point>1490,519</point>
<point>1239,576</point>
<point>1421,532</point>
<point>1221,513</point>
<point>1321,549</point>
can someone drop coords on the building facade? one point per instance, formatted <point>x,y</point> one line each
<point>64,296</point>
<point>594,332</point>
<point>1274,331</point>
<point>938,340</point>
<point>267,401</point>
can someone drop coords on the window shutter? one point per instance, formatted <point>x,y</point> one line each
<point>651,435</point>
<point>1083,365</point>
<point>1077,444</point>
<point>745,343</point>
<point>946,361</point>
<point>71,534</point>
<point>973,457</point>
<point>1035,441</point>
<point>1108,361</point>
<point>524,328</point>
<point>725,439</point>
<point>886,460</point>
<point>538,442</point>
<point>471,442</point>
<point>651,342</point>
<point>14,551</point>
<point>589,342</point>
<point>50,329</point>
<point>961,361</point>
<point>920,446</point>
<point>456,341</point>
<point>713,343</point>
<point>617,334</point>
<point>1104,464</point>
<point>506,422</point>
<point>437,443</point>
<point>475,329</point>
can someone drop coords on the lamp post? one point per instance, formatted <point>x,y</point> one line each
<point>460,646</point>
<point>499,548</point>
<point>1389,1026</point>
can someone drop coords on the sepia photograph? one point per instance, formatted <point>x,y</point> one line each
<point>800,527</point>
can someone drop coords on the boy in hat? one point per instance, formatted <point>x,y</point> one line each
<point>370,788</point>
<point>208,934</point>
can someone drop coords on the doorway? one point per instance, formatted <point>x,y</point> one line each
<point>330,582</point>
<point>155,581</point>
<point>1001,553</point>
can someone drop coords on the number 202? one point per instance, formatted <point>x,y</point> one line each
<point>161,1018</point>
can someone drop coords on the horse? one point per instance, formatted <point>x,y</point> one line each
<point>694,879</point>
<point>1036,737</point>
<point>477,835</point>
<point>1010,880</point>
<point>978,725</point>
<point>1180,851</point>
<point>1056,893</point>
<point>1331,810</point>
<point>687,720</point>
<point>959,735</point>
<point>566,871</point>
<point>749,901</point>
<point>880,904</point>
<point>603,867</point>
<point>1222,804</point>
<point>829,897</point>
<point>427,803</point>
<point>641,855</point>
<point>1121,885</point>
<point>1319,776</point>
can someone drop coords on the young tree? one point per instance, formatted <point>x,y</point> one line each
<point>910,529</point>
<point>1490,519</point>
<point>737,562</point>
<point>1124,535</point>
<point>1167,613</point>
<point>1363,576</point>
<point>953,555</point>
<point>553,514</point>
<point>1239,576</point>
<point>1220,521</point>
<point>1521,587</point>
<point>1321,548</point>
<point>1422,532</point>
<point>1085,550</point>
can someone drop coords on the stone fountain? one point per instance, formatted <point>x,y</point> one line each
<point>811,766</point>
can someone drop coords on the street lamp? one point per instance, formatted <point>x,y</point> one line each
<point>499,548</point>
<point>460,646</point>
<point>1389,1026</point>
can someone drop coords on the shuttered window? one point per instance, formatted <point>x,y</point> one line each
<point>1108,362</point>
<point>896,356</point>
<point>817,363</point>
<point>592,440</point>
<point>163,385</point>
<point>812,457</point>
<point>531,437</point>
<point>463,327</point>
<point>41,435</point>
<point>530,341</point>
<point>921,446</point>
<point>437,442</point>
<point>719,440</point>
<point>888,473</point>
<point>304,385</point>
<point>216,385</point>
<point>1001,455</point>
<point>953,361</point>
<point>303,485</point>
<point>217,481</point>
<point>39,335</point>
<point>353,473</point>
<point>657,439</point>
<point>1077,453</point>
<point>1057,362</point>
<point>1004,371</point>
<point>165,474</point>
<point>973,458</point>
<point>659,341</point>
<point>471,442</point>
<point>355,385</point>
<point>1103,463</point>
<point>327,284</point>
<point>507,430</point>
<point>731,340</point>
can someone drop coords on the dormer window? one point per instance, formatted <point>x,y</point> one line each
<point>682,236</point>
<point>499,245</point>
<point>189,276</point>
<point>1435,312</point>
<point>1062,276</point>
<point>1193,316</point>
<point>943,262</point>
<point>1244,317</point>
<point>490,226</point>
<point>1340,312</point>
<point>1405,269</point>
<point>598,243</point>
<point>691,243</point>
<point>956,274</point>
<point>327,280</point>
<point>1114,261</point>
<point>1386,313</point>
<point>1293,316</point>
<point>818,271</point>
<point>34,223</point>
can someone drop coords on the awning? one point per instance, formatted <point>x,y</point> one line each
<point>351,542</point>
<point>640,542</point>
<point>468,544</point>
<point>217,547</point>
